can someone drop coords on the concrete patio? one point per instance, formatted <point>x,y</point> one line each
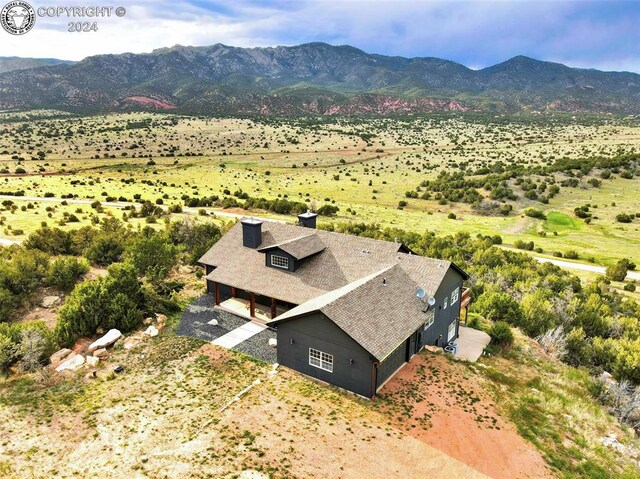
<point>471,343</point>
<point>242,307</point>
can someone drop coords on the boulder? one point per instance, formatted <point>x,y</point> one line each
<point>59,356</point>
<point>50,301</point>
<point>73,363</point>
<point>107,340</point>
<point>100,353</point>
<point>273,342</point>
<point>147,321</point>
<point>151,331</point>
<point>92,361</point>
<point>161,318</point>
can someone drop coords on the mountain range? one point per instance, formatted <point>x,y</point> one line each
<point>314,78</point>
<point>8,64</point>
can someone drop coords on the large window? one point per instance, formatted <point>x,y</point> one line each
<point>431,315</point>
<point>279,261</point>
<point>321,360</point>
<point>446,299</point>
<point>451,330</point>
<point>454,295</point>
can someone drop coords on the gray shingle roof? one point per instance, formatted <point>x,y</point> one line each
<point>345,259</point>
<point>301,247</point>
<point>379,315</point>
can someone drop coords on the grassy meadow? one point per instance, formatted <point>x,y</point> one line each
<point>363,166</point>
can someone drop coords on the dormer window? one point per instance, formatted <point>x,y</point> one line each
<point>279,261</point>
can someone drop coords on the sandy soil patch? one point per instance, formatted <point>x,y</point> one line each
<point>445,405</point>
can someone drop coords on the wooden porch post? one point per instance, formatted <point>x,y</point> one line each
<point>216,293</point>
<point>273,308</point>
<point>233,292</point>
<point>252,305</point>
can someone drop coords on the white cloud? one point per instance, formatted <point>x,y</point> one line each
<point>476,33</point>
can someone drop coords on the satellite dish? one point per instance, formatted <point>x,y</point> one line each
<point>420,293</point>
<point>431,301</point>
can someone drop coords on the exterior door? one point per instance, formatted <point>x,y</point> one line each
<point>452,330</point>
<point>411,347</point>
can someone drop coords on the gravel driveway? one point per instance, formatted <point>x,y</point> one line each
<point>195,323</point>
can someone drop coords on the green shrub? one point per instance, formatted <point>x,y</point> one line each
<point>618,272</point>
<point>499,307</point>
<point>525,245</point>
<point>114,301</point>
<point>105,249</point>
<point>328,210</point>
<point>152,254</point>
<point>578,348</point>
<point>624,218</point>
<point>501,334</point>
<point>65,272</point>
<point>535,213</point>
<point>7,352</point>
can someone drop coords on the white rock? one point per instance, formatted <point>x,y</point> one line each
<point>49,301</point>
<point>151,331</point>
<point>107,340</point>
<point>92,361</point>
<point>273,342</point>
<point>59,356</point>
<point>74,363</point>
<point>213,322</point>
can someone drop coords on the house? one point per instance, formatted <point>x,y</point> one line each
<point>346,308</point>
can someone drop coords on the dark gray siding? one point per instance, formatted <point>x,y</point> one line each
<point>208,269</point>
<point>391,364</point>
<point>444,317</point>
<point>318,332</point>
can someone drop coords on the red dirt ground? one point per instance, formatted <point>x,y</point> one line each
<point>152,102</point>
<point>446,406</point>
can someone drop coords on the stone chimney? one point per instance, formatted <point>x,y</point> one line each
<point>308,219</point>
<point>251,232</point>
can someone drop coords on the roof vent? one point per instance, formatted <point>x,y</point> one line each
<point>384,281</point>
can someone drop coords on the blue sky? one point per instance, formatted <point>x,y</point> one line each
<point>589,34</point>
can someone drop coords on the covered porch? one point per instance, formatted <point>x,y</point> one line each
<point>247,303</point>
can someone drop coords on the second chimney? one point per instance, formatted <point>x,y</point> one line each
<point>308,219</point>
<point>251,232</point>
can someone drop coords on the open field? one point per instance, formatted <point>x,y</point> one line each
<point>516,413</point>
<point>164,417</point>
<point>363,166</point>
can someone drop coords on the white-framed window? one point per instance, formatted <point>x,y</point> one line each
<point>321,360</point>
<point>279,261</point>
<point>431,316</point>
<point>451,332</point>
<point>454,295</point>
<point>446,302</point>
